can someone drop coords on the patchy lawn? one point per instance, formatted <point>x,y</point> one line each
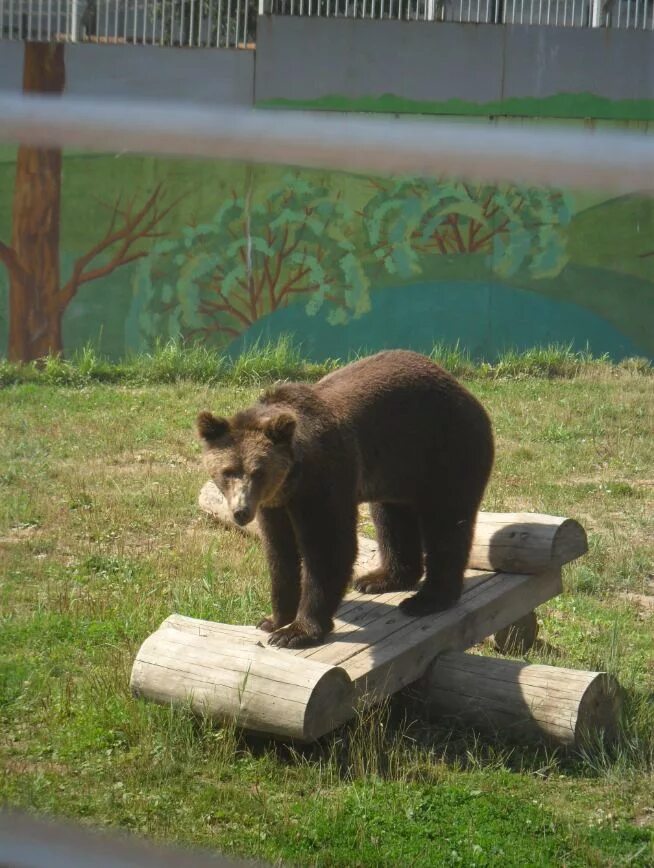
<point>101,539</point>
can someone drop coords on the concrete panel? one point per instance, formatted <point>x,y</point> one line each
<point>308,58</point>
<point>196,75</point>
<point>543,61</point>
<point>11,65</point>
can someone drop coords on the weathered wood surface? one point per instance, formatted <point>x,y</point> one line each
<point>518,542</point>
<point>522,701</point>
<point>229,672</point>
<point>374,650</point>
<point>232,675</point>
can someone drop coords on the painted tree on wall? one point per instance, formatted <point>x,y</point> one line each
<point>515,227</point>
<point>302,243</point>
<point>252,259</point>
<point>38,298</point>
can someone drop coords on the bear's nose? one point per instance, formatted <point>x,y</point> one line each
<point>241,516</point>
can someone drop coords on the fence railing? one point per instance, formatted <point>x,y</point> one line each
<point>194,23</point>
<point>232,23</point>
<point>633,14</point>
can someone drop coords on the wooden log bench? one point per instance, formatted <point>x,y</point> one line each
<point>229,672</point>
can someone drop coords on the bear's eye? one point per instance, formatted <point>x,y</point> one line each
<point>230,473</point>
<point>257,474</point>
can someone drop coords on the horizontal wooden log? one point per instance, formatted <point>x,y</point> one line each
<point>523,702</point>
<point>524,542</point>
<point>511,542</point>
<point>380,649</point>
<point>233,676</point>
<point>228,671</point>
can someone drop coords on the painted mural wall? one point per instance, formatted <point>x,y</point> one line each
<point>130,250</point>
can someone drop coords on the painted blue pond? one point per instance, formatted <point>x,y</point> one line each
<point>484,318</point>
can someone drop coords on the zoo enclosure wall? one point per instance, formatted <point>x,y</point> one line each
<point>586,276</point>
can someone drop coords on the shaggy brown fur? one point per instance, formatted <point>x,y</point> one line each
<point>394,430</point>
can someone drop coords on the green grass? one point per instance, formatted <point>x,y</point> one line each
<point>175,362</point>
<point>101,539</point>
<point>171,362</point>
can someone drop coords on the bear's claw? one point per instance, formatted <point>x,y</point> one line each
<point>296,635</point>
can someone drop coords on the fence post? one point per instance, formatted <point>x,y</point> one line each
<point>595,13</point>
<point>73,21</point>
<point>431,10</point>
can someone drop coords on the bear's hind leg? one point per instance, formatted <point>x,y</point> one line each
<point>447,537</point>
<point>400,548</point>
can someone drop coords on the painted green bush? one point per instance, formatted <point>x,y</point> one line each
<point>301,242</point>
<point>218,278</point>
<point>516,227</point>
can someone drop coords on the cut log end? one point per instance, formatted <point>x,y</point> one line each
<point>330,704</point>
<point>569,543</point>
<point>599,711</point>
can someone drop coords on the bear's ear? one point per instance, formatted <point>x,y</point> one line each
<point>210,427</point>
<point>280,428</point>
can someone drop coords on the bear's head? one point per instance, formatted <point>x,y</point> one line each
<point>248,457</point>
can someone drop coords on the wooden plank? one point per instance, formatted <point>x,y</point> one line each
<point>390,665</point>
<point>379,620</point>
<point>359,615</point>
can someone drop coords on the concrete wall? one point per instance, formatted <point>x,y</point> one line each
<point>196,75</point>
<point>338,63</point>
<point>11,65</point>
<point>395,66</point>
<point>543,61</point>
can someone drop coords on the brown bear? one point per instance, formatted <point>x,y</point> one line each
<point>394,430</point>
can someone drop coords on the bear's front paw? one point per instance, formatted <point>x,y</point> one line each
<point>266,624</point>
<point>297,635</point>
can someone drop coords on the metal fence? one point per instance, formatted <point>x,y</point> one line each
<point>194,23</point>
<point>232,23</point>
<point>633,14</point>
